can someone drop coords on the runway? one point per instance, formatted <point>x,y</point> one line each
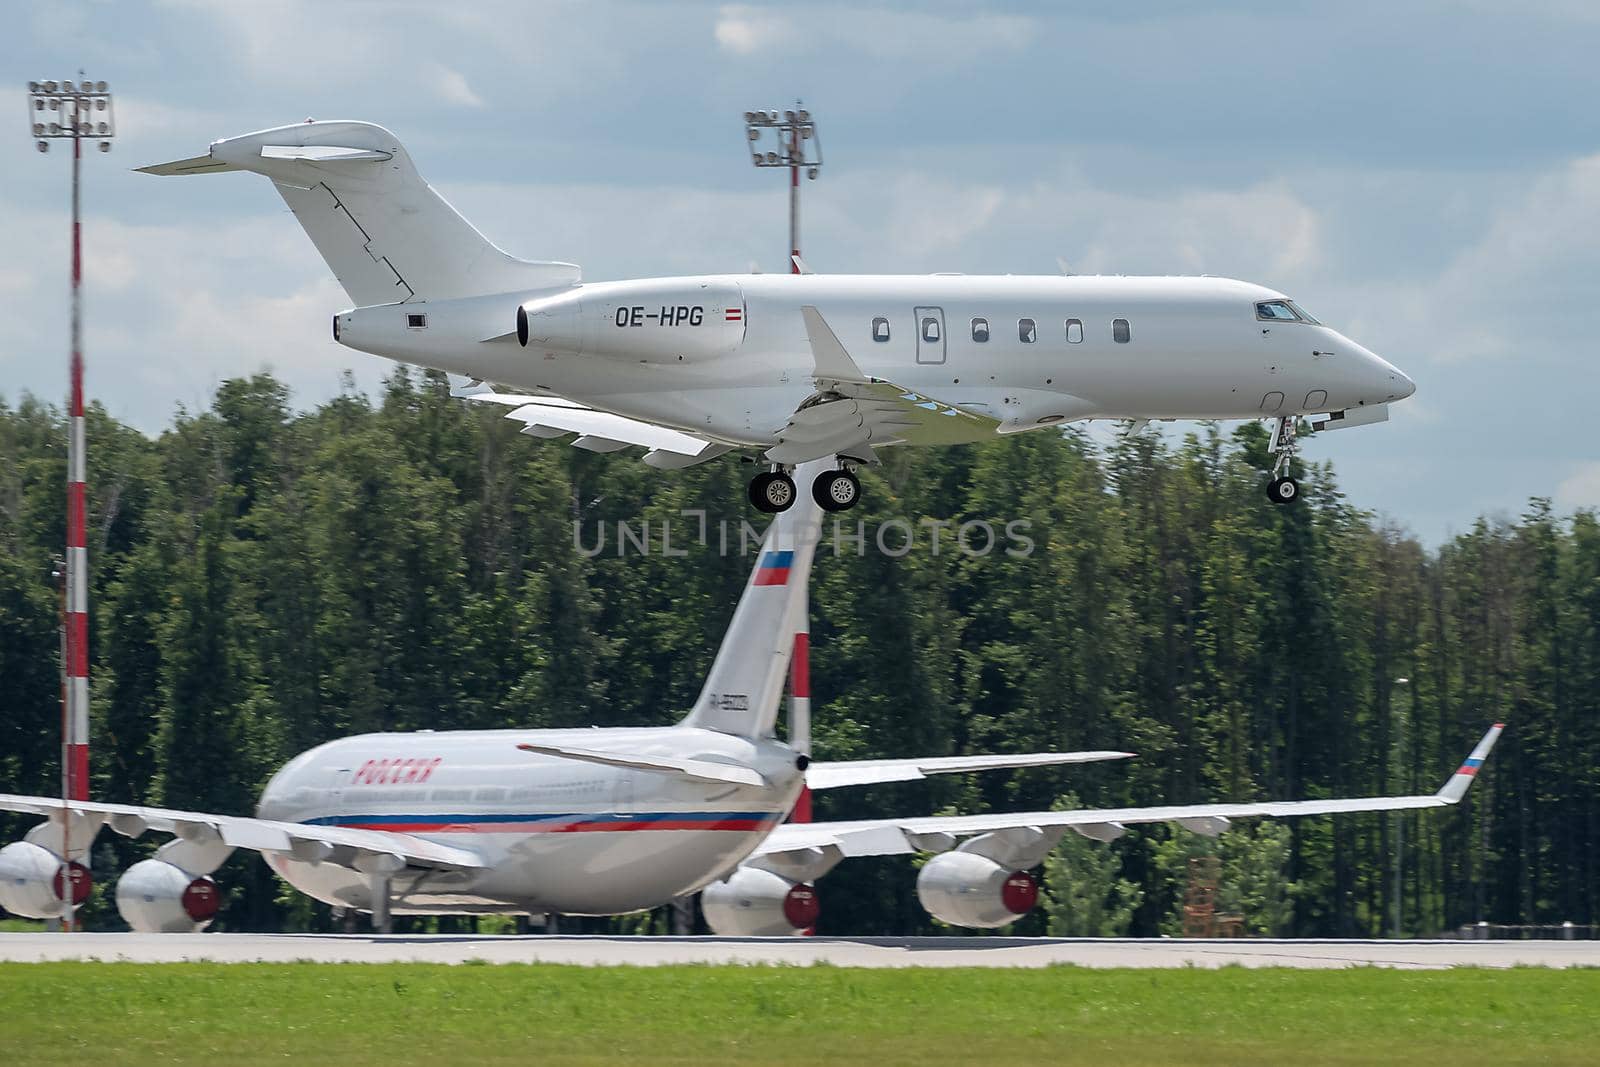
<point>592,951</point>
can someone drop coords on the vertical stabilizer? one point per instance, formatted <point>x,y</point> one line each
<point>744,690</point>
<point>387,235</point>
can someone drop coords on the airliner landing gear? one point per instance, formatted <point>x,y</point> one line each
<point>836,490</point>
<point>772,492</point>
<point>1283,489</point>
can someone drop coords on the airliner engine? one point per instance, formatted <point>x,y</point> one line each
<point>156,897</point>
<point>30,881</point>
<point>966,889</point>
<point>758,903</point>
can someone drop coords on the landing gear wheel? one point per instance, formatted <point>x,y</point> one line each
<point>1283,490</point>
<point>836,490</point>
<point>772,492</point>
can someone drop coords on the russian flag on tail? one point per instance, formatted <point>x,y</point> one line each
<point>774,567</point>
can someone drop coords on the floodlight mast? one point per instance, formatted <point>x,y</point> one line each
<point>77,111</point>
<point>797,147</point>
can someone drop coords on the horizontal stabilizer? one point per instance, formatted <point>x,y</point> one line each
<point>822,775</point>
<point>193,165</point>
<point>322,153</point>
<point>699,770</point>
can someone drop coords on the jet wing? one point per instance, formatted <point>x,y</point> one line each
<point>885,837</point>
<point>549,416</point>
<point>823,775</point>
<point>853,413</point>
<point>336,843</point>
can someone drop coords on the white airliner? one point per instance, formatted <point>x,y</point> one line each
<point>606,821</point>
<point>791,367</point>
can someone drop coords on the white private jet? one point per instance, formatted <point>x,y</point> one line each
<point>604,821</point>
<point>792,367</point>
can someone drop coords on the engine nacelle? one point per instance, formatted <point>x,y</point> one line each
<point>965,889</point>
<point>758,903</point>
<point>30,881</point>
<point>155,897</point>
<point>665,322</point>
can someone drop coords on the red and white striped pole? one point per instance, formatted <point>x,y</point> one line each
<point>800,706</point>
<point>74,111</point>
<point>75,741</point>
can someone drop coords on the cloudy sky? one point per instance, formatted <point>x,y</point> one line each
<point>1424,176</point>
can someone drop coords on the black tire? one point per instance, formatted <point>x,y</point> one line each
<point>836,490</point>
<point>772,492</point>
<point>1283,490</point>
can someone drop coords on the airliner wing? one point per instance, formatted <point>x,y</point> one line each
<point>547,415</point>
<point>823,775</point>
<point>337,844</point>
<point>884,837</point>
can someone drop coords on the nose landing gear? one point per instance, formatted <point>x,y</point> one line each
<point>1283,489</point>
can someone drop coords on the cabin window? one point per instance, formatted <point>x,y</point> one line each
<point>1075,331</point>
<point>416,322</point>
<point>880,329</point>
<point>980,330</point>
<point>1119,331</point>
<point>1027,331</point>
<point>930,329</point>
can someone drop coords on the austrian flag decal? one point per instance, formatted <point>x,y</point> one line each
<point>735,314</point>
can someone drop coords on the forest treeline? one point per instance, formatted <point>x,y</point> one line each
<point>264,580</point>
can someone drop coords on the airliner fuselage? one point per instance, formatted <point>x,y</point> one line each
<point>556,834</point>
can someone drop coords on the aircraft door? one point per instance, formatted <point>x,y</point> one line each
<point>930,334</point>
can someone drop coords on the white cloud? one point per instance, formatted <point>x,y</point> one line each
<point>1581,489</point>
<point>745,30</point>
<point>452,87</point>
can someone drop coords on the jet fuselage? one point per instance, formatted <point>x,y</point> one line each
<point>728,357</point>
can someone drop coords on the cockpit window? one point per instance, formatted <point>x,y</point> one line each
<point>1298,310</point>
<point>1283,311</point>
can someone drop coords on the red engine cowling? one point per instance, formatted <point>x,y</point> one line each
<point>154,897</point>
<point>965,889</point>
<point>758,903</point>
<point>30,881</point>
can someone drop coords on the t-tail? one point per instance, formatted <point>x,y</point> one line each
<point>744,690</point>
<point>387,235</point>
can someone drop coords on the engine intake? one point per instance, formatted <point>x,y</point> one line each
<point>758,903</point>
<point>965,889</point>
<point>30,881</point>
<point>155,897</point>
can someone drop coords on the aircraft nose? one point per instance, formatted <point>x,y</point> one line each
<point>1380,380</point>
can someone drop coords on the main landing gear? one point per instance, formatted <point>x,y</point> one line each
<point>1283,489</point>
<point>774,491</point>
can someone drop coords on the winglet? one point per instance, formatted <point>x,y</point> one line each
<point>1456,787</point>
<point>833,363</point>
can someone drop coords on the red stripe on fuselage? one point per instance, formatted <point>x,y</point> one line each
<point>553,828</point>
